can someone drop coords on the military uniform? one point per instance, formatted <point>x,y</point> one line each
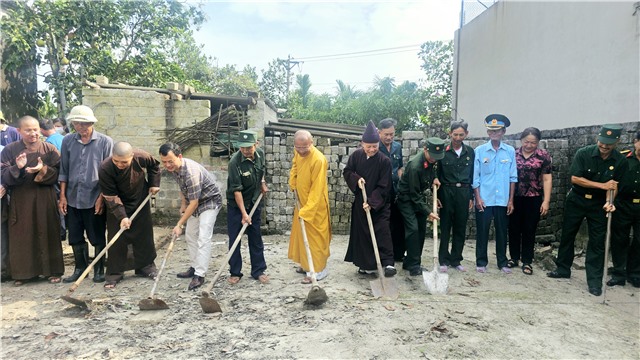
<point>456,176</point>
<point>396,223</point>
<point>416,179</point>
<point>625,254</point>
<point>588,203</point>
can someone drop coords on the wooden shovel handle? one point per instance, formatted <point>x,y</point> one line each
<point>373,236</point>
<point>435,226</point>
<point>233,247</point>
<point>104,251</point>
<point>314,279</point>
<point>164,262</point>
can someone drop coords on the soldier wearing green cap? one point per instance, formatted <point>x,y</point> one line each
<point>247,169</point>
<point>595,170</point>
<point>418,176</point>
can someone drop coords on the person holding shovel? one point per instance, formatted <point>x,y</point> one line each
<point>625,254</point>
<point>368,169</point>
<point>419,174</point>
<point>125,180</point>
<point>247,169</point>
<point>308,177</point>
<point>200,205</point>
<point>595,170</point>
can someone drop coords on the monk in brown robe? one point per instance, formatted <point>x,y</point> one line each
<point>30,171</point>
<point>126,178</point>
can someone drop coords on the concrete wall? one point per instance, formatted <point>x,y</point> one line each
<point>550,64</point>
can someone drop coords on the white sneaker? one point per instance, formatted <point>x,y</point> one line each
<point>321,275</point>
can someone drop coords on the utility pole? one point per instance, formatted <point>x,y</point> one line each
<point>289,64</point>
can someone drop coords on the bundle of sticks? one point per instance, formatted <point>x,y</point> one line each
<point>217,130</point>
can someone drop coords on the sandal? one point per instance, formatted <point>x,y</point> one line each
<point>233,280</point>
<point>300,270</point>
<point>527,269</point>
<point>512,263</point>
<point>54,279</point>
<point>306,280</point>
<point>264,279</point>
<point>111,281</point>
<point>18,282</point>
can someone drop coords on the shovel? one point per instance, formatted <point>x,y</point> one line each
<point>317,296</point>
<point>74,286</point>
<point>208,304</point>
<point>382,286</point>
<point>435,281</point>
<point>152,303</point>
<point>606,252</point>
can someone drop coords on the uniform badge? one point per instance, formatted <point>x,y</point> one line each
<point>609,132</point>
<point>468,158</point>
<point>426,164</point>
<point>494,122</point>
<point>245,136</point>
<point>611,167</point>
<point>246,173</point>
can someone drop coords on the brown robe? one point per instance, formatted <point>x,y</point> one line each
<point>376,172</point>
<point>124,190</point>
<point>34,222</point>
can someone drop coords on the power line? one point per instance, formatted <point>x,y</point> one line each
<point>359,52</point>
<point>356,56</point>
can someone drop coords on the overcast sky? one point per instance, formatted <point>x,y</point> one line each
<point>255,33</point>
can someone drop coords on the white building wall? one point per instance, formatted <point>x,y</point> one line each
<point>550,64</point>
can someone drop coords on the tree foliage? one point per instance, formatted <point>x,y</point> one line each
<point>273,83</point>
<point>437,62</point>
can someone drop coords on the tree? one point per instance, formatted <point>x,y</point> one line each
<point>304,84</point>
<point>125,40</point>
<point>273,83</point>
<point>437,62</point>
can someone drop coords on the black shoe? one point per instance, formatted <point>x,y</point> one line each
<point>196,282</point>
<point>187,274</point>
<point>595,291</point>
<point>417,271</point>
<point>390,271</point>
<point>76,274</point>
<point>635,282</point>
<point>614,282</point>
<point>557,275</point>
<point>362,271</point>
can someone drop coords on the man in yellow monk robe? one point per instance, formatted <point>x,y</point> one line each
<point>308,177</point>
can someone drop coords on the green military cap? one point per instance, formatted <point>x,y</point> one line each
<point>435,147</point>
<point>610,133</point>
<point>247,138</point>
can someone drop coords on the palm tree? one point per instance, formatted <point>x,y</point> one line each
<point>304,84</point>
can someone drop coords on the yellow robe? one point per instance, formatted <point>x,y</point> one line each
<point>309,177</point>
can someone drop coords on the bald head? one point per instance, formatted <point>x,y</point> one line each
<point>302,141</point>
<point>122,149</point>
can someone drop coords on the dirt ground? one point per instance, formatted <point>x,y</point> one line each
<point>488,316</point>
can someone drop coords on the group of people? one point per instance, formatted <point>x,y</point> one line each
<point>97,186</point>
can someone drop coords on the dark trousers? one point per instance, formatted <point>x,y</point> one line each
<point>576,209</point>
<point>415,228</point>
<point>80,221</point>
<point>4,245</point>
<point>396,225</point>
<point>256,247</point>
<point>500,223</point>
<point>624,253</point>
<point>523,223</point>
<point>453,217</point>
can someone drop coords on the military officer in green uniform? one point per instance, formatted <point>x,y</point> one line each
<point>595,170</point>
<point>455,172</point>
<point>625,254</point>
<point>419,174</point>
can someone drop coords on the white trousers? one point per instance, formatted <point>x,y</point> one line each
<point>198,234</point>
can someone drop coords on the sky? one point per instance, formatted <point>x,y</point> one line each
<point>255,33</point>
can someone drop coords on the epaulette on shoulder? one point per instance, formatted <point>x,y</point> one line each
<point>626,153</point>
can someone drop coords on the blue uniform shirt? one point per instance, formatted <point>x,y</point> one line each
<point>493,172</point>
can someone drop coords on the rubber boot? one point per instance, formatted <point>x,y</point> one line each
<point>81,256</point>
<point>98,269</point>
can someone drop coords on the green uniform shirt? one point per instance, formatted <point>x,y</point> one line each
<point>245,175</point>
<point>453,169</point>
<point>417,178</point>
<point>588,164</point>
<point>629,187</point>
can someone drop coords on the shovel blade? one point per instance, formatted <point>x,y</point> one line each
<point>78,302</point>
<point>209,305</point>
<point>390,288</point>
<point>435,281</point>
<point>377,289</point>
<point>152,304</point>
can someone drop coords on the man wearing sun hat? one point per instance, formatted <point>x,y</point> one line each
<point>595,170</point>
<point>82,153</point>
<point>494,177</point>
<point>418,176</point>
